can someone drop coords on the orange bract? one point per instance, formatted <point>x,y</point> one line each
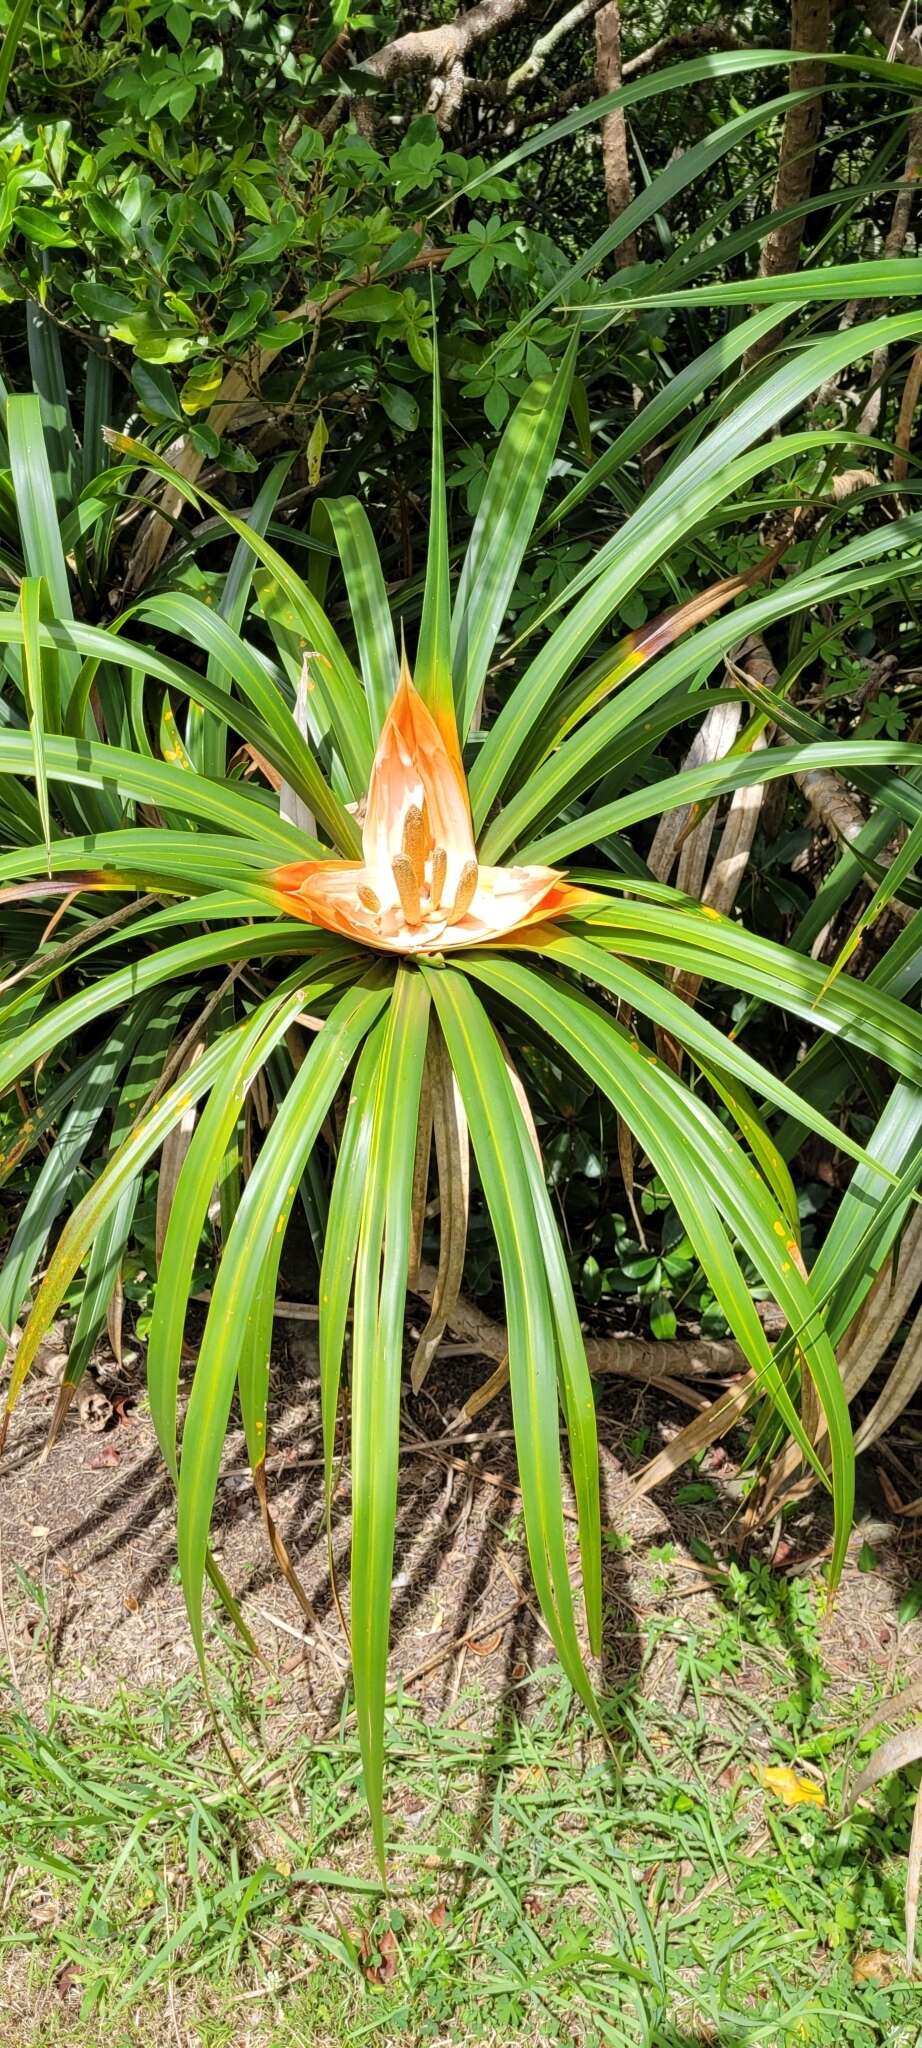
<point>419,887</point>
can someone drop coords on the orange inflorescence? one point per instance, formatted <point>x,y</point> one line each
<point>419,886</point>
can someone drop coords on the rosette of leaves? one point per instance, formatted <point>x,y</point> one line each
<point>171,780</point>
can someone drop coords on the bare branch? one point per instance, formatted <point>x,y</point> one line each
<point>440,53</point>
<point>714,35</point>
<point>541,49</point>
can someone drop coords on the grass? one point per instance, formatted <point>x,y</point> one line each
<point>545,1888</point>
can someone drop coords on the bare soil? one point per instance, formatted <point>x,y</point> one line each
<point>91,1526</point>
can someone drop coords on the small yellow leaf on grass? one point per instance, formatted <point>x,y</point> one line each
<point>795,1791</point>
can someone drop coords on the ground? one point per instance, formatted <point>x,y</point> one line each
<point>545,1884</point>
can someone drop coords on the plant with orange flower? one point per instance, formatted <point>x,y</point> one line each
<point>359,913</point>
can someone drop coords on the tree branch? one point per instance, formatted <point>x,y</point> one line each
<point>715,35</point>
<point>541,49</point>
<point>440,52</point>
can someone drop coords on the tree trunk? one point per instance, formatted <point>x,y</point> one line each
<point>810,30</point>
<point>614,131</point>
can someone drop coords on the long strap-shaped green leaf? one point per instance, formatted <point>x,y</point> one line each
<point>52,1185</point>
<point>716,778</point>
<point>93,765</point>
<point>349,524</point>
<point>37,513</point>
<point>507,512</point>
<point>679,392</point>
<point>666,513</point>
<point>866,1224</point>
<point>35,504</point>
<point>334,676</point>
<point>433,654</point>
<point>705,1172</point>
<point>576,1393</point>
<point>676,78</point>
<point>46,362</point>
<point>206,737</point>
<point>824,1070</point>
<point>495,1121</point>
<point>181,613</point>
<point>214,858</point>
<point>891,278</point>
<point>341,1240</point>
<point>572,766</point>
<point>11,34</point>
<point>901,867</point>
<point>81,1227</point>
<point>246,1050</point>
<point>274,733</point>
<point>207,950</point>
<point>679,173</point>
<point>44,1118</point>
<point>601,1056</point>
<point>255,1244</point>
<point>377,1357</point>
<point>651,998</point>
<point>715,947</point>
<point>106,1252</point>
<point>30,607</point>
